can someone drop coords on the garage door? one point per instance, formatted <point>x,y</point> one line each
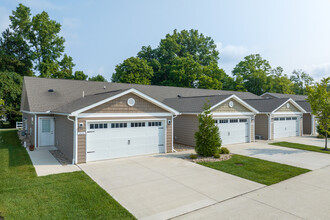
<point>286,127</point>
<point>107,140</point>
<point>234,131</point>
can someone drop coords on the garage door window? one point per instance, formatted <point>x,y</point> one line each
<point>118,125</point>
<point>294,118</point>
<point>138,124</point>
<point>243,120</point>
<point>154,123</point>
<point>98,126</point>
<point>223,121</point>
<point>233,120</point>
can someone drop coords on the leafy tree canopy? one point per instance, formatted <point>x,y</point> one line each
<point>301,81</point>
<point>319,99</point>
<point>98,77</point>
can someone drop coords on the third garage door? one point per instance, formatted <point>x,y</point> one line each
<point>233,131</point>
<point>286,127</point>
<point>107,140</point>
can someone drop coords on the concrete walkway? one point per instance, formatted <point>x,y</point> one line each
<point>45,163</point>
<point>164,186</point>
<point>294,157</point>
<point>303,197</point>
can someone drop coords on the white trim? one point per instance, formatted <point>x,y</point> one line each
<point>269,126</point>
<point>239,101</point>
<point>172,124</point>
<point>76,140</point>
<point>287,113</point>
<point>41,117</point>
<point>216,117</point>
<point>35,131</point>
<point>98,115</point>
<point>292,102</point>
<point>128,120</point>
<point>233,113</point>
<point>132,90</point>
<point>44,113</point>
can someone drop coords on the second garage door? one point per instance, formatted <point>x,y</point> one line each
<point>106,140</point>
<point>286,127</point>
<point>233,131</point>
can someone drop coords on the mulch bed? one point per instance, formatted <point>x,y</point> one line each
<point>59,156</point>
<point>211,159</point>
<point>182,147</point>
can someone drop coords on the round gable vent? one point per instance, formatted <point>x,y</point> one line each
<point>231,104</point>
<point>131,102</point>
<point>287,105</point>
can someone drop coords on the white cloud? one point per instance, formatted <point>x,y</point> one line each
<point>231,53</point>
<point>318,71</point>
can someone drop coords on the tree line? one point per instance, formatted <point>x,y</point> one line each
<point>32,46</point>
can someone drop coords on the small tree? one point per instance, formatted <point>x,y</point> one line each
<point>207,137</point>
<point>319,99</point>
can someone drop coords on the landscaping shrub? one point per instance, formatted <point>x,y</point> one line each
<point>193,156</point>
<point>216,155</point>
<point>224,150</point>
<point>321,132</point>
<point>207,137</point>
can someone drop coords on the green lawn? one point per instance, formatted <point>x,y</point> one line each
<point>301,147</point>
<point>261,171</point>
<point>23,195</point>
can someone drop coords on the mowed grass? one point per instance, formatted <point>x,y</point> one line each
<point>257,170</point>
<point>301,147</point>
<point>23,195</point>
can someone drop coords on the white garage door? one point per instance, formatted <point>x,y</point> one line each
<point>107,140</point>
<point>234,131</point>
<point>286,127</point>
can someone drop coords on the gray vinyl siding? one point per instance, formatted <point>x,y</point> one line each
<point>261,126</point>
<point>29,129</point>
<point>185,127</point>
<point>307,123</point>
<point>64,136</point>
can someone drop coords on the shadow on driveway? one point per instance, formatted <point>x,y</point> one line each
<point>257,151</point>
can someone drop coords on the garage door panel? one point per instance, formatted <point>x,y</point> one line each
<point>131,140</point>
<point>286,127</point>
<point>234,131</point>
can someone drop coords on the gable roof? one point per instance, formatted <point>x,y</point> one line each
<point>67,94</point>
<point>281,96</point>
<point>271,105</point>
<point>305,105</point>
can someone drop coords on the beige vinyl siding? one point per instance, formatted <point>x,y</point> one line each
<point>224,107</point>
<point>82,137</point>
<point>307,123</point>
<point>64,136</point>
<point>120,105</point>
<point>185,127</point>
<point>292,108</point>
<point>261,126</point>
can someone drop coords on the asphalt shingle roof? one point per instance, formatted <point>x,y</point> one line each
<point>305,105</point>
<point>294,97</point>
<point>266,105</point>
<point>67,95</point>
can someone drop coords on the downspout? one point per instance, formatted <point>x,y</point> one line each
<point>173,150</point>
<point>312,124</point>
<point>74,159</point>
<point>35,131</point>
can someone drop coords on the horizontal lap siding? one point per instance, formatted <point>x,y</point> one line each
<point>261,126</point>
<point>64,136</point>
<point>82,138</point>
<point>236,108</point>
<point>290,109</point>
<point>185,127</point>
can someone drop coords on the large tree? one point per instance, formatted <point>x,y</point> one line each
<point>184,59</point>
<point>98,77</point>
<point>133,70</point>
<point>10,93</point>
<point>319,99</point>
<point>253,71</point>
<point>301,81</point>
<point>279,82</point>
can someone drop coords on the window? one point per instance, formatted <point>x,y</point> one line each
<point>98,126</point>
<point>138,124</point>
<point>215,121</point>
<point>223,121</point>
<point>243,120</point>
<point>276,119</point>
<point>282,119</point>
<point>294,118</point>
<point>154,123</point>
<point>91,126</point>
<point>119,125</point>
<point>288,118</point>
<point>45,126</point>
<point>233,120</point>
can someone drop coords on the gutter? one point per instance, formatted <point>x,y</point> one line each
<point>74,159</point>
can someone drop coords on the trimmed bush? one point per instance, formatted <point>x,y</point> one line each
<point>193,156</point>
<point>216,155</point>
<point>224,150</point>
<point>207,137</point>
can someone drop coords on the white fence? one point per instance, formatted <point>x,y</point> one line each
<point>19,125</point>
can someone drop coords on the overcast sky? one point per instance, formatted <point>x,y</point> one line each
<point>101,33</point>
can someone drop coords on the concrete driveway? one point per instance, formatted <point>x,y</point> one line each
<point>294,157</point>
<point>164,186</point>
<point>307,140</point>
<point>303,197</point>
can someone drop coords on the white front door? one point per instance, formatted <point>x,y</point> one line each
<point>286,127</point>
<point>234,130</point>
<point>46,131</point>
<point>107,140</point>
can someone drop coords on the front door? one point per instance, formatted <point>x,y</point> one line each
<point>46,132</point>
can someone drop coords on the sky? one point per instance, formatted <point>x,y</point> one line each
<point>100,34</point>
